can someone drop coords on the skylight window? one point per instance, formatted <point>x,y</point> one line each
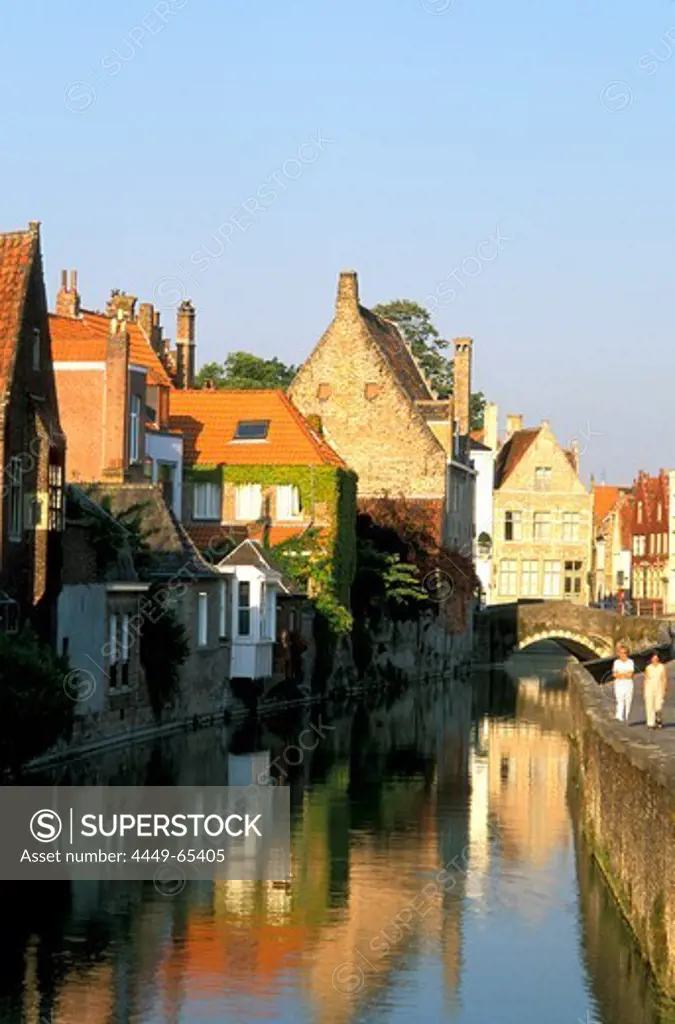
<point>251,430</point>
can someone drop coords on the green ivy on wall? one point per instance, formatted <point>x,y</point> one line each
<point>331,569</point>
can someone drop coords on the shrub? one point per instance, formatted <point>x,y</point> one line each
<point>164,648</point>
<point>35,710</point>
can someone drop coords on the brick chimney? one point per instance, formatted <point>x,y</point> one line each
<point>462,385</point>
<point>116,376</point>
<point>185,345</point>
<point>120,302</point>
<point>67,297</point>
<point>514,422</point>
<point>148,321</point>
<point>490,418</point>
<point>347,303</point>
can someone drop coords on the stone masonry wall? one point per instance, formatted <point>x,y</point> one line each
<point>628,814</point>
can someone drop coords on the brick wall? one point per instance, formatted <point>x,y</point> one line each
<point>627,790</point>
<point>78,390</point>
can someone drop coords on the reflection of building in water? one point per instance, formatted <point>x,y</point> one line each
<point>519,783</point>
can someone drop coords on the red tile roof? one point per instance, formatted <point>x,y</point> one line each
<point>84,338</point>
<point>604,500</point>
<point>208,419</point>
<point>512,453</point>
<point>17,252</point>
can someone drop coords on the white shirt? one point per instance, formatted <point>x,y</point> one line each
<point>626,667</point>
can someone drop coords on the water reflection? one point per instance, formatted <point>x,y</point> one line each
<point>434,874</point>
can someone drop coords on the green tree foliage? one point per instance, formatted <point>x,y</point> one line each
<point>245,370</point>
<point>304,559</point>
<point>35,709</point>
<point>164,648</point>
<point>430,350</point>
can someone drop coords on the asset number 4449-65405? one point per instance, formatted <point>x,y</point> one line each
<point>182,856</point>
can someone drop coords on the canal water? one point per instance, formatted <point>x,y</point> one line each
<point>437,875</point>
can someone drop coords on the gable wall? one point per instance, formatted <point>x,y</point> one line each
<point>382,438</point>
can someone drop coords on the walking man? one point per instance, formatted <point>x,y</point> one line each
<point>655,691</point>
<point>623,670</point>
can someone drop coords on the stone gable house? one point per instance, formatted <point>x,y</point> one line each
<point>652,519</point>
<point>114,374</point>
<point>542,519</point>
<point>32,445</point>
<point>363,389</point>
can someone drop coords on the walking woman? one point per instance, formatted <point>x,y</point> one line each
<point>623,670</point>
<point>656,683</point>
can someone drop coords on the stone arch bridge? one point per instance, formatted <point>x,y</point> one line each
<point>587,633</point>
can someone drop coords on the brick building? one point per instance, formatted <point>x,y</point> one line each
<point>612,544</point>
<point>364,388</point>
<point>31,441</point>
<point>542,519</point>
<point>114,374</point>
<point>653,571</point>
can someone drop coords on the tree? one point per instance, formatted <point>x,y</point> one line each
<point>414,323</point>
<point>245,370</point>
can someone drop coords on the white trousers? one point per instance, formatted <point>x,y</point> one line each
<point>623,691</point>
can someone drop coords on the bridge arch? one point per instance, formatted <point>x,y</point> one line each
<point>582,646</point>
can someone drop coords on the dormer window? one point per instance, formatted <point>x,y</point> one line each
<point>252,430</point>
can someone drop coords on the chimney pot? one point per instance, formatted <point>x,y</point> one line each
<point>490,425</point>
<point>68,298</point>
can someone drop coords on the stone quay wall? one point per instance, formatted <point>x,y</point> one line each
<point>627,790</point>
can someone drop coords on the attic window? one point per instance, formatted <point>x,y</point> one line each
<point>323,392</point>
<point>371,390</point>
<point>251,430</point>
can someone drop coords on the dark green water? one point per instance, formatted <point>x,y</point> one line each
<point>471,779</point>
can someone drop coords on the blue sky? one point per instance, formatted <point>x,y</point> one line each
<point>136,131</point>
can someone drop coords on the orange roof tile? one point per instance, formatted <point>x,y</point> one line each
<point>208,419</point>
<point>512,452</point>
<point>17,252</point>
<point>83,339</point>
<point>604,500</point>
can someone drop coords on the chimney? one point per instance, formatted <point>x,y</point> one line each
<point>462,385</point>
<point>120,302</point>
<point>348,294</point>
<point>490,417</point>
<point>185,345</point>
<point>67,297</point>
<point>514,422</point>
<point>116,375</point>
<point>146,319</point>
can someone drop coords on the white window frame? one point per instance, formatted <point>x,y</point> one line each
<point>542,478</point>
<point>516,521</point>
<point>248,503</point>
<point>206,501</point>
<point>135,406</point>
<point>508,577</point>
<point>571,526</point>
<point>529,577</point>
<point>202,619</point>
<point>247,607</point>
<point>552,575</point>
<point>541,519</point>
<point>15,498</point>
<point>288,502</point>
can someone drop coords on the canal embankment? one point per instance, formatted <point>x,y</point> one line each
<point>626,780</point>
